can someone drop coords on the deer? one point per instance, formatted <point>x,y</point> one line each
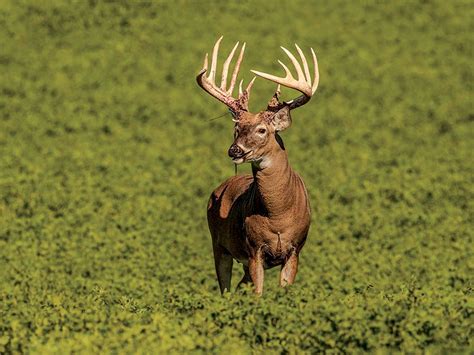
<point>262,219</point>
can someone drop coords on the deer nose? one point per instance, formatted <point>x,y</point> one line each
<point>235,151</point>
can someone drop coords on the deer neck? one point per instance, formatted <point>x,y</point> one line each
<point>274,183</point>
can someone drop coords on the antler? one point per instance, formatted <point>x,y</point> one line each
<point>222,93</point>
<point>302,84</point>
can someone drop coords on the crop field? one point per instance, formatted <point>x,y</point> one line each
<point>109,151</point>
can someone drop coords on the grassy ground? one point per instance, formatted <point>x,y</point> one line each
<point>108,153</point>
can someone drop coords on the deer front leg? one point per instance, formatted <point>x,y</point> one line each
<point>223,262</point>
<point>256,271</point>
<point>289,269</point>
<point>246,279</point>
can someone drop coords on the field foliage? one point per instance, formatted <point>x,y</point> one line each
<point>109,151</point>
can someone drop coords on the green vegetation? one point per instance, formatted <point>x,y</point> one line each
<point>108,153</point>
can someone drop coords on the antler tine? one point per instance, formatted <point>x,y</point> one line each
<point>245,95</point>
<point>249,86</point>
<point>305,64</point>
<point>236,70</point>
<point>215,51</point>
<point>204,66</point>
<point>297,65</point>
<point>225,68</point>
<point>316,72</point>
<point>247,90</point>
<point>302,84</point>
<point>287,71</point>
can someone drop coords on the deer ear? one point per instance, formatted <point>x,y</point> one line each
<point>281,120</point>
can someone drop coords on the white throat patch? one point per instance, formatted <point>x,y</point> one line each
<point>264,162</point>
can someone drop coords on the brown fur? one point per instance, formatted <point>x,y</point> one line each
<point>261,220</point>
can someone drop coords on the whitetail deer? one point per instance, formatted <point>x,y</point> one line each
<point>261,220</point>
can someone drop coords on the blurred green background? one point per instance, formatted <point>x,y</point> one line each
<point>109,151</point>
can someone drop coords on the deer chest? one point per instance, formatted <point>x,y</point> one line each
<point>276,238</point>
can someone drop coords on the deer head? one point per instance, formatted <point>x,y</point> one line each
<point>256,134</point>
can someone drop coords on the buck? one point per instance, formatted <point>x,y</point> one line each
<point>260,220</point>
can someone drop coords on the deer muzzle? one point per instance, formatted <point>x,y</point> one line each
<point>235,151</point>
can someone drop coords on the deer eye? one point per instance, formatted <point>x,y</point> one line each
<point>261,131</point>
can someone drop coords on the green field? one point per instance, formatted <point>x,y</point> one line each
<point>109,151</point>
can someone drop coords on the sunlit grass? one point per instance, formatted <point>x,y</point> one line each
<point>108,153</point>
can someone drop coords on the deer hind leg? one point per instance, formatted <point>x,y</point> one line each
<point>289,269</point>
<point>223,262</point>
<point>256,271</point>
<point>246,279</point>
